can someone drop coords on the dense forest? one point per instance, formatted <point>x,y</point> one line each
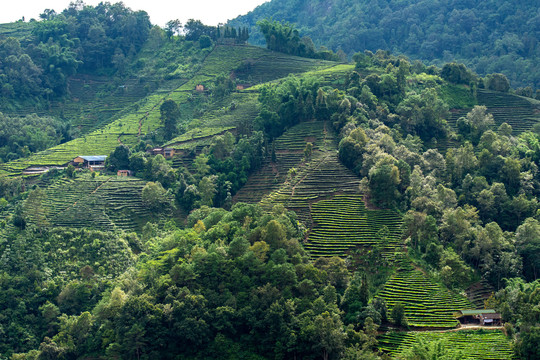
<point>495,36</point>
<point>311,208</point>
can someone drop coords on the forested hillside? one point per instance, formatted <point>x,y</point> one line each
<point>209,199</point>
<point>489,36</point>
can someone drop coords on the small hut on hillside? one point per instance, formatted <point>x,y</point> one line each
<point>123,173</point>
<point>484,317</point>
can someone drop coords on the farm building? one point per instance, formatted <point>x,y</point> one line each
<point>483,317</point>
<point>123,173</point>
<point>242,86</point>
<point>199,88</point>
<point>166,152</point>
<point>90,162</point>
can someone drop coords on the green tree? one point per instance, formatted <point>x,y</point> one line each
<point>383,184</point>
<point>497,82</point>
<point>172,28</point>
<point>170,114</point>
<point>528,246</point>
<point>207,189</point>
<point>119,158</point>
<point>398,315</point>
<point>155,196</point>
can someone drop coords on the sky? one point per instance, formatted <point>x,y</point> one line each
<point>210,12</point>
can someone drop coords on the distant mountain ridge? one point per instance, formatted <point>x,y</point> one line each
<point>489,36</point>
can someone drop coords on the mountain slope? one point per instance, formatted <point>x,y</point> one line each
<point>489,36</point>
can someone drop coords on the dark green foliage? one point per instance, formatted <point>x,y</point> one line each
<point>169,116</point>
<point>527,346</point>
<point>200,298</point>
<point>457,74</point>
<point>497,82</point>
<point>398,315</point>
<point>489,36</point>
<point>81,36</point>
<point>65,270</point>
<point>424,115</point>
<point>194,29</point>
<point>22,136</point>
<point>242,281</point>
<point>286,104</point>
<point>119,159</point>
<point>285,38</point>
<point>205,41</point>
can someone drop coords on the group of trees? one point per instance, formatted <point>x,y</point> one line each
<point>283,37</point>
<point>21,136</point>
<point>235,280</point>
<point>239,36</point>
<point>232,283</point>
<point>220,170</point>
<point>80,38</point>
<point>471,210</point>
<point>466,207</point>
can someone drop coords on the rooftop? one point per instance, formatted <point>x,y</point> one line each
<point>477,312</point>
<point>94,158</point>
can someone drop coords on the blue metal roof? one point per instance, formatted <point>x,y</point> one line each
<point>94,158</point>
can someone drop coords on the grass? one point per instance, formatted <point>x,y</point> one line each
<point>457,96</point>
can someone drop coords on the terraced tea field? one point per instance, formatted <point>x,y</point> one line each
<point>103,203</point>
<point>479,292</point>
<point>144,116</point>
<point>343,223</point>
<point>289,149</point>
<point>269,66</point>
<point>519,112</point>
<point>473,344</point>
<point>318,179</point>
<point>427,304</point>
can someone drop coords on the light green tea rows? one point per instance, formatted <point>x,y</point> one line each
<point>474,344</point>
<point>427,304</point>
<point>343,223</point>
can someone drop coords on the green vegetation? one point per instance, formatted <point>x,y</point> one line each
<point>489,36</point>
<point>343,223</point>
<point>426,303</point>
<point>383,196</point>
<point>472,344</point>
<point>100,202</point>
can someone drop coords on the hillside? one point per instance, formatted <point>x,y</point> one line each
<point>252,204</point>
<point>492,36</point>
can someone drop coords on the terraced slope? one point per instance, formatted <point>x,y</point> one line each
<point>270,66</point>
<point>474,344</point>
<point>103,203</point>
<point>479,292</point>
<point>145,116</point>
<point>19,30</point>
<point>519,112</point>
<point>343,223</point>
<point>319,177</point>
<point>289,150</point>
<point>427,304</point>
